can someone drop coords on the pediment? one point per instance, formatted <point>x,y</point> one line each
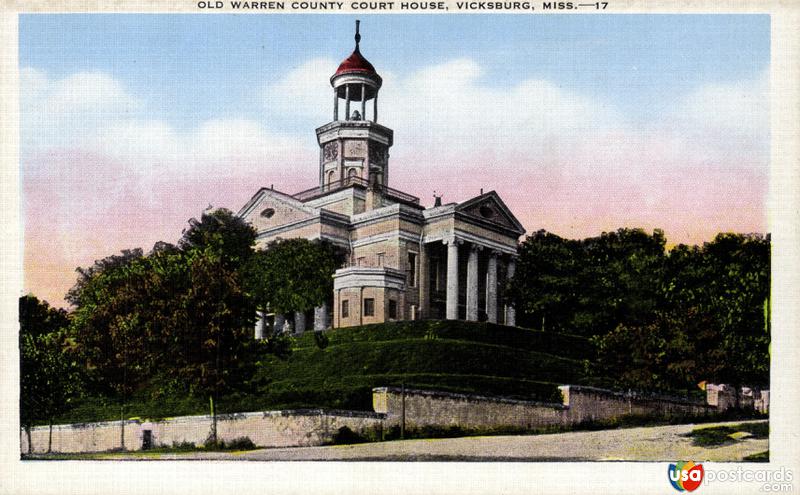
<point>491,209</point>
<point>270,208</point>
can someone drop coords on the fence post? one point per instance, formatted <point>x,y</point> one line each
<point>403,410</point>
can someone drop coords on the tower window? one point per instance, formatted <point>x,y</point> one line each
<point>412,270</point>
<point>345,308</point>
<point>392,309</point>
<point>381,256</point>
<point>369,306</point>
<point>331,176</point>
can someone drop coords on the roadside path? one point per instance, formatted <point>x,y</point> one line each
<point>659,443</point>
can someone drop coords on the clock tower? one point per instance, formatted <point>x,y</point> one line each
<point>354,148</point>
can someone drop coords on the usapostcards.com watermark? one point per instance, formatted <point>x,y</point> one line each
<point>771,480</point>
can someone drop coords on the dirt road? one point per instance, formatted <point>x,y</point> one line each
<point>661,443</point>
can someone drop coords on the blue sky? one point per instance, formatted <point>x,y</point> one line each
<point>183,64</point>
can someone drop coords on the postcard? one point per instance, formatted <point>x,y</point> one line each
<point>415,247</point>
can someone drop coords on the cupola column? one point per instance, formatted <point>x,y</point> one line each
<point>363,101</point>
<point>375,108</point>
<point>346,102</point>
<point>335,105</point>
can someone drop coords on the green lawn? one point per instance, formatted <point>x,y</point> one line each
<point>717,436</point>
<point>457,356</point>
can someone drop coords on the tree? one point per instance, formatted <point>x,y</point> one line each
<point>205,319</point>
<point>738,293</point>
<point>226,234</point>
<point>545,286</point>
<point>49,378</point>
<point>111,306</point>
<point>711,324</point>
<point>590,286</point>
<point>292,274</point>
<point>179,311</point>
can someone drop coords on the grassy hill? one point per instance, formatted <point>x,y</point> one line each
<point>340,371</point>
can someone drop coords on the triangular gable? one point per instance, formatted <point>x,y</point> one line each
<point>490,208</point>
<point>270,208</point>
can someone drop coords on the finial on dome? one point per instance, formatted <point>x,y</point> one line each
<point>358,36</point>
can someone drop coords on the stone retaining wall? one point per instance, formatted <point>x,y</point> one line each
<point>580,405</point>
<point>265,429</point>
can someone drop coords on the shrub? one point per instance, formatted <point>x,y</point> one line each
<point>240,443</point>
<point>345,435</point>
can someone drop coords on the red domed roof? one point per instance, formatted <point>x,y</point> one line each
<point>355,63</point>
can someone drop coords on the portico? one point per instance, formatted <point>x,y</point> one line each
<point>471,285</point>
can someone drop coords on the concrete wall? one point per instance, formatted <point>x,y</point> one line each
<point>580,404</point>
<point>265,429</point>
<point>442,409</point>
<point>725,397</point>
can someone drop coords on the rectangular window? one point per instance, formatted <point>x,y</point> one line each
<point>345,308</point>
<point>360,261</point>
<point>380,258</point>
<point>369,307</point>
<point>435,271</point>
<point>412,269</point>
<point>392,309</point>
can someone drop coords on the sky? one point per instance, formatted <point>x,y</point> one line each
<point>133,124</point>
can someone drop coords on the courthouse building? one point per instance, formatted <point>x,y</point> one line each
<point>405,261</point>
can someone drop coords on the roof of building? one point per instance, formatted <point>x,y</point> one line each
<point>355,63</point>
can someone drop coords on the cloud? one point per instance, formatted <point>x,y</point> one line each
<point>57,112</point>
<point>304,91</point>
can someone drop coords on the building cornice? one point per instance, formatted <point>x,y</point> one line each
<point>354,129</point>
<point>405,212</point>
<point>359,276</point>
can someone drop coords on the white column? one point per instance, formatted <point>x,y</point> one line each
<point>335,105</point>
<point>299,322</point>
<point>511,313</point>
<point>424,282</point>
<point>259,333</point>
<point>346,102</point>
<point>280,321</point>
<point>452,280</point>
<point>363,101</point>
<point>321,317</point>
<point>375,111</point>
<point>472,283</point>
<point>491,288</point>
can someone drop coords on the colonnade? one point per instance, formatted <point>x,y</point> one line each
<point>282,324</point>
<point>472,299</point>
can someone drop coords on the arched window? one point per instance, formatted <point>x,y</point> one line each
<point>351,174</point>
<point>331,176</point>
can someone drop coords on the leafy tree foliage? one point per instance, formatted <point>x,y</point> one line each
<point>178,317</point>
<point>589,286</point>
<point>659,319</point>
<point>50,378</point>
<point>293,274</point>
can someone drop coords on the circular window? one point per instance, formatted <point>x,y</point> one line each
<point>487,211</point>
<point>268,213</point>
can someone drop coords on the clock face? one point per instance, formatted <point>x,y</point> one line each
<point>330,151</point>
<point>487,211</point>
